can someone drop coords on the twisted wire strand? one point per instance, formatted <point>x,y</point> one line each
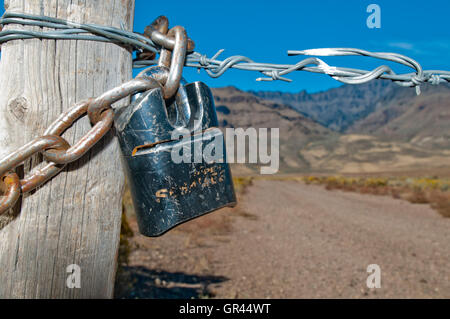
<point>215,67</point>
<point>71,30</point>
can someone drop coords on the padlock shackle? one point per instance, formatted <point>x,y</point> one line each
<point>177,59</point>
<point>174,45</point>
<point>190,112</point>
<point>187,116</point>
<point>159,73</point>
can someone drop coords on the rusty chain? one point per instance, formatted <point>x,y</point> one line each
<point>57,152</point>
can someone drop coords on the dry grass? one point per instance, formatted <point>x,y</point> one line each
<point>219,223</point>
<point>125,234</point>
<point>216,224</point>
<point>418,197</point>
<point>441,203</point>
<point>125,249</point>
<point>429,190</point>
<point>241,183</point>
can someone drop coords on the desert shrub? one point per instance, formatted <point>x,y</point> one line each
<point>376,182</point>
<point>241,183</point>
<point>441,203</point>
<point>418,197</point>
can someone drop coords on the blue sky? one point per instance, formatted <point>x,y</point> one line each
<point>265,30</point>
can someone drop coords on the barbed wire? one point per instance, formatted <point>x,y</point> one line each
<point>215,67</point>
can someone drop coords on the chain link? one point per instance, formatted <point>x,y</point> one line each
<point>11,185</point>
<point>158,32</point>
<point>57,152</point>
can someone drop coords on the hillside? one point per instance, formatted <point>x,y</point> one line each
<point>421,120</point>
<point>383,127</point>
<point>378,108</point>
<point>351,153</point>
<point>336,108</point>
<point>236,108</point>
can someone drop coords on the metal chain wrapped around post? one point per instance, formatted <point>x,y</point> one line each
<point>58,152</point>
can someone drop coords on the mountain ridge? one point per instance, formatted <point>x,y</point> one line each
<point>368,128</point>
<point>336,108</point>
<point>379,108</point>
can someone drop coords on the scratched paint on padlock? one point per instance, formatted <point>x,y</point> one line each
<point>202,178</point>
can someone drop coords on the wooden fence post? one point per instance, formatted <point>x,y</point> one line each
<point>75,217</point>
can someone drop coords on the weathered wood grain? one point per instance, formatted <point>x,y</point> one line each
<point>74,218</point>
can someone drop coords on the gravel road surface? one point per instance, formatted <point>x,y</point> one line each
<point>290,240</point>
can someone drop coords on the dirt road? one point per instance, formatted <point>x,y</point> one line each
<point>290,240</point>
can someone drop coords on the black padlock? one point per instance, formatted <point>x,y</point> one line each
<point>167,193</point>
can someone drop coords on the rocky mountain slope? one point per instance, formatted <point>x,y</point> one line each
<point>422,120</point>
<point>336,108</point>
<point>378,108</point>
<point>239,109</point>
<point>373,127</point>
